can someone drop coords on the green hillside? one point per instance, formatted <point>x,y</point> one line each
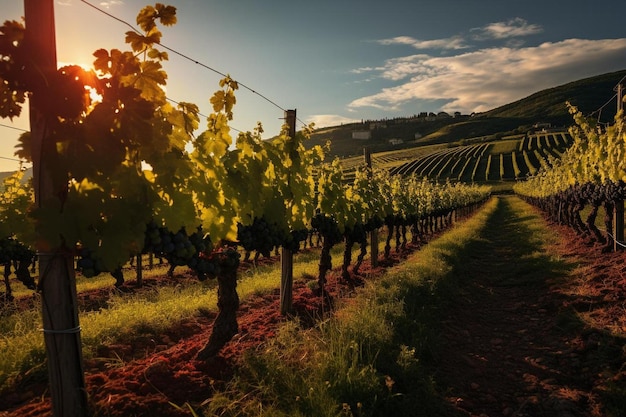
<point>28,174</point>
<point>588,95</point>
<point>546,106</point>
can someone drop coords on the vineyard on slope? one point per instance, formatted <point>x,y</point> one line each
<point>470,163</point>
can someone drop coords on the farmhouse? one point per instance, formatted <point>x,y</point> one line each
<point>378,125</point>
<point>362,134</point>
<point>542,126</point>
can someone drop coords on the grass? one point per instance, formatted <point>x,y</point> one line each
<point>504,146</point>
<point>514,221</point>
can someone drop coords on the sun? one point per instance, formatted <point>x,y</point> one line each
<point>87,76</point>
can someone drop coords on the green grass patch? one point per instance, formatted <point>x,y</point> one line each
<point>504,146</point>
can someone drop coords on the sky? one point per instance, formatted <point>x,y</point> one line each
<point>338,61</point>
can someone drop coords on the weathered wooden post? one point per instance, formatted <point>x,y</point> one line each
<point>618,225</point>
<point>286,276</point>
<point>139,269</point>
<point>57,282</point>
<point>374,233</point>
<point>618,211</point>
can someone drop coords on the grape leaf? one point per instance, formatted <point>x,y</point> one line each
<point>10,100</point>
<point>166,14</point>
<point>146,18</point>
<point>149,81</point>
<point>102,61</point>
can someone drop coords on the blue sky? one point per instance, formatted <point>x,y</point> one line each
<point>336,61</point>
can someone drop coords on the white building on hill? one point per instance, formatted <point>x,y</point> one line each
<point>362,134</point>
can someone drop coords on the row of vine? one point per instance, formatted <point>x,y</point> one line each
<point>590,174</point>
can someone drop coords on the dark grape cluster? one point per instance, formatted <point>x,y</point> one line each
<point>294,238</point>
<point>228,258</point>
<point>13,252</point>
<point>158,239</point>
<point>177,248</point>
<point>201,241</point>
<point>373,223</point>
<point>358,233</point>
<point>200,262</point>
<point>210,265</point>
<point>327,227</point>
<point>181,249</point>
<point>260,236</point>
<point>88,264</point>
<point>204,266</point>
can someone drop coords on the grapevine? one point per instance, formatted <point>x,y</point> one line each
<point>592,172</point>
<point>374,198</point>
<point>14,254</point>
<point>16,230</point>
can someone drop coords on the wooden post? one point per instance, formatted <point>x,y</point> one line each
<point>139,269</point>
<point>374,233</point>
<point>286,282</point>
<point>286,276</point>
<point>368,157</point>
<point>57,282</point>
<point>618,225</point>
<point>618,211</point>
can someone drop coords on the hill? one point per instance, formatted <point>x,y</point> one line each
<point>28,174</point>
<point>519,117</point>
<point>588,95</point>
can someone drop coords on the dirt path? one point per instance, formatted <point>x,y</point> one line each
<point>511,345</point>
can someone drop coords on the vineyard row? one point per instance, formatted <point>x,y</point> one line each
<point>589,176</point>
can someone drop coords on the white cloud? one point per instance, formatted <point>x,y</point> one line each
<point>487,78</point>
<point>455,42</point>
<point>110,3</point>
<point>406,66</point>
<point>322,120</point>
<point>502,30</point>
<point>513,28</point>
